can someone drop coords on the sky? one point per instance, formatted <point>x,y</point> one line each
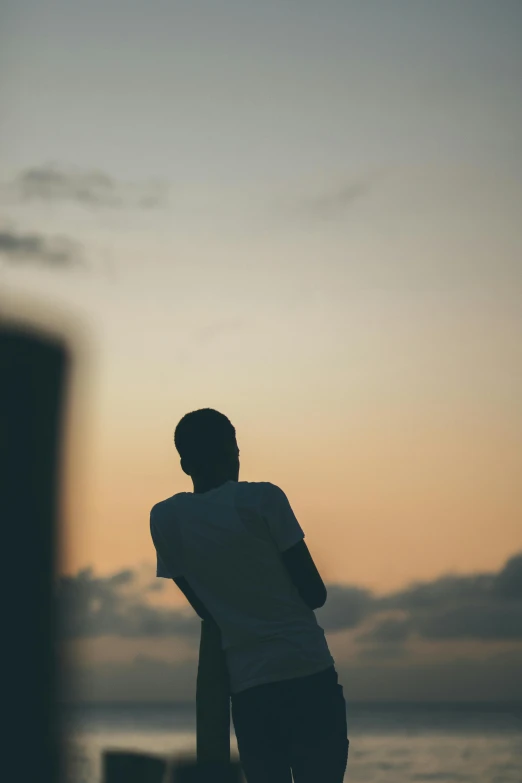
<point>305,215</point>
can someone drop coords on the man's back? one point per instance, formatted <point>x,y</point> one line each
<point>227,544</point>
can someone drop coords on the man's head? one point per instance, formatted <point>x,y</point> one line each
<point>206,442</point>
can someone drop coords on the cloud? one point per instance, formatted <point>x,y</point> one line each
<point>508,583</point>
<point>336,201</point>
<point>473,621</point>
<point>116,605</point>
<point>389,631</point>
<point>345,608</point>
<point>382,652</point>
<point>479,606</point>
<point>90,188</point>
<point>21,248</point>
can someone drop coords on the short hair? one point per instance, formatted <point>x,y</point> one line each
<point>201,437</point>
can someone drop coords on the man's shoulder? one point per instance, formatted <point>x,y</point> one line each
<point>265,490</point>
<point>257,486</point>
<point>163,507</point>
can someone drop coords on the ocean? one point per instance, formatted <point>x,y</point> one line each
<point>389,743</point>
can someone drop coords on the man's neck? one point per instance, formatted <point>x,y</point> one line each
<point>205,484</point>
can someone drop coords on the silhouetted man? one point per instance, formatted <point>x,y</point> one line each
<point>236,551</point>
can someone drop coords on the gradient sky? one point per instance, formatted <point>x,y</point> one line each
<point>336,264</point>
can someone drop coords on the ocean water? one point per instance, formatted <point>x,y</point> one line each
<point>389,743</point>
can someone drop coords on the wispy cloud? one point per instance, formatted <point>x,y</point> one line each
<point>22,248</point>
<point>335,202</point>
<point>90,188</point>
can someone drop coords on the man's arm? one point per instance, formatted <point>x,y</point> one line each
<point>164,554</point>
<point>198,605</point>
<point>288,537</point>
<point>304,574</point>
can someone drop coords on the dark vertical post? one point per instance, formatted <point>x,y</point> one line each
<point>212,698</point>
<point>32,383</point>
<point>213,764</point>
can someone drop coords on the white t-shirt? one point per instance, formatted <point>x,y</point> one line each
<point>227,543</point>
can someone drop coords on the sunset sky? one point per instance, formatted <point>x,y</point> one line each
<point>306,215</point>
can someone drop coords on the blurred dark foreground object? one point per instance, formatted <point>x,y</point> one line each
<point>192,771</point>
<point>33,373</point>
<point>120,766</point>
<point>128,767</point>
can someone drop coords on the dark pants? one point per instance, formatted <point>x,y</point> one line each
<point>297,725</point>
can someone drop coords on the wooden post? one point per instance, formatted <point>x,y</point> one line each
<point>212,698</point>
<point>213,764</point>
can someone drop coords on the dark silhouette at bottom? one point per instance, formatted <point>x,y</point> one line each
<point>130,767</point>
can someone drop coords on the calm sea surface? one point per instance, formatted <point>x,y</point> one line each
<point>389,743</point>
